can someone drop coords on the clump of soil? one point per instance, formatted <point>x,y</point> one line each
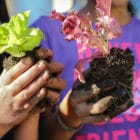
<point>117,66</point>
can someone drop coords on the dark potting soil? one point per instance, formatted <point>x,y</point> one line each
<point>117,66</point>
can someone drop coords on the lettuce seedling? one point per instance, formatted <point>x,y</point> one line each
<point>16,37</point>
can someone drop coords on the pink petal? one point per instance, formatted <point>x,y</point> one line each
<point>103,7</point>
<point>110,25</point>
<point>56,15</point>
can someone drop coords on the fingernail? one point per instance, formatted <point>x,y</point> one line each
<point>27,60</point>
<point>42,64</point>
<point>44,53</point>
<point>95,89</point>
<point>42,93</point>
<point>46,75</point>
<point>40,52</point>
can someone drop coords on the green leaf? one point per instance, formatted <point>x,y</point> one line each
<point>19,22</point>
<point>15,52</point>
<point>33,39</point>
<point>3,48</point>
<point>16,37</point>
<point>4,36</point>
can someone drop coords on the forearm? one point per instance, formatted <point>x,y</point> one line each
<point>28,130</point>
<point>51,130</point>
<point>60,133</point>
<point>4,130</point>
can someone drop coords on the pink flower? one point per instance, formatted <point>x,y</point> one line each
<point>56,15</point>
<point>71,26</point>
<point>103,7</point>
<point>110,26</point>
<point>107,25</point>
<point>77,26</point>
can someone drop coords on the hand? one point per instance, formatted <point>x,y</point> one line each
<point>20,90</point>
<point>93,105</point>
<point>54,84</point>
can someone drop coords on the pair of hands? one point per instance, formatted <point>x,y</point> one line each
<point>24,85</point>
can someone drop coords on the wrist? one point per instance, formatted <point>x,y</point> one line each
<point>4,129</point>
<point>66,122</point>
<point>67,114</point>
<point>28,129</point>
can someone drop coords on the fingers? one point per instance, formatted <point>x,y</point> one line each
<point>56,83</point>
<point>35,99</point>
<point>53,95</point>
<point>19,105</point>
<point>81,92</point>
<point>55,67</point>
<point>101,105</point>
<point>26,78</point>
<point>15,71</point>
<point>50,99</point>
<point>79,96</point>
<point>85,109</point>
<point>44,54</point>
<point>28,92</point>
<point>37,109</point>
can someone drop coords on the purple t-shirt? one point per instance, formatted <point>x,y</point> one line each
<point>123,127</point>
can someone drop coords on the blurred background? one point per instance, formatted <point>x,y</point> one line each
<point>43,7</point>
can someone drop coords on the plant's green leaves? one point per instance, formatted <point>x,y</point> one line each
<point>16,38</point>
<point>4,36</point>
<point>15,52</point>
<point>19,22</point>
<point>3,48</point>
<point>13,37</point>
<point>33,39</point>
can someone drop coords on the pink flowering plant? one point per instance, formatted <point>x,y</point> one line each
<point>78,26</point>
